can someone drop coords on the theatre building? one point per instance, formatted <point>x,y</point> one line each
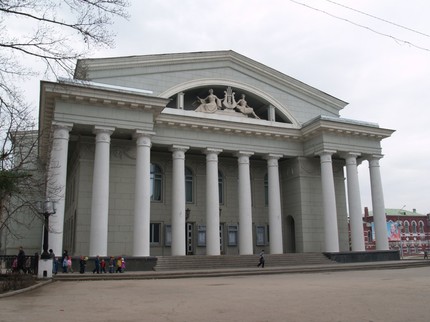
<point>205,153</point>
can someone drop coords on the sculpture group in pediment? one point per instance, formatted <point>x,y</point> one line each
<point>212,103</point>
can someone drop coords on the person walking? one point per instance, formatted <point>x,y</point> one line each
<point>261,260</point>
<point>118,265</point>
<point>103,266</point>
<point>82,264</point>
<point>69,264</point>
<point>21,260</point>
<point>97,265</point>
<point>112,264</point>
<point>54,262</point>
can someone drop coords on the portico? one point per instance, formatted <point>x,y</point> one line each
<point>135,163</point>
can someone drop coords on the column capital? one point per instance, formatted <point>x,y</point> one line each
<point>374,160</point>
<point>212,151</point>
<point>271,156</point>
<point>350,157</point>
<point>62,125</point>
<point>377,157</point>
<point>61,130</point>
<point>324,152</point>
<point>139,133</point>
<point>103,133</point>
<point>180,148</point>
<point>346,155</point>
<point>178,151</point>
<point>244,154</point>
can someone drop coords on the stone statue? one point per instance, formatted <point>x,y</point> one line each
<point>210,104</point>
<point>242,106</point>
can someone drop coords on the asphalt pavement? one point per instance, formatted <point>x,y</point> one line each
<point>348,295</point>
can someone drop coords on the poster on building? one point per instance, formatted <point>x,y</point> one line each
<point>393,231</point>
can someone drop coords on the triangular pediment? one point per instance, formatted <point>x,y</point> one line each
<point>194,74</point>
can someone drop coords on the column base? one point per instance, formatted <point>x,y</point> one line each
<point>45,268</point>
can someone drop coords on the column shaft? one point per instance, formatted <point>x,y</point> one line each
<point>354,203</point>
<point>378,205</point>
<point>178,201</point>
<point>329,203</point>
<point>142,197</point>
<point>57,178</point>
<point>275,215</point>
<point>100,200</point>
<point>245,207</point>
<point>212,203</point>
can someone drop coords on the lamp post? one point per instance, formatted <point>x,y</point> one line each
<point>399,226</point>
<point>46,208</point>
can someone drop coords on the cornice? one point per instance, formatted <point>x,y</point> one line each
<point>344,127</point>
<point>196,121</point>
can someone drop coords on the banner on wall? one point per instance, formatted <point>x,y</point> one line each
<point>393,231</point>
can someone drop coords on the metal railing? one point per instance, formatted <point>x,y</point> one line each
<point>6,265</point>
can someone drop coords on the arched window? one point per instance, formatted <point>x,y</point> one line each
<point>220,187</point>
<point>406,224</point>
<point>189,191</point>
<point>156,183</point>
<point>421,227</point>
<point>414,227</point>
<point>266,190</point>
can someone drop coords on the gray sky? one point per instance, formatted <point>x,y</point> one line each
<point>384,78</point>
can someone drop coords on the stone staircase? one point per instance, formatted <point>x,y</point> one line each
<point>200,262</point>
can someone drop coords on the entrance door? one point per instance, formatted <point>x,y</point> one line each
<point>189,235</point>
<point>291,235</point>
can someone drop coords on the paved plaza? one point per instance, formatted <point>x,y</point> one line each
<point>374,295</point>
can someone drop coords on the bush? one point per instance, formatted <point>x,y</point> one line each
<point>13,282</point>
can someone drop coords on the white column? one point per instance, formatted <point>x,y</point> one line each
<point>142,197</point>
<point>378,205</point>
<point>275,215</point>
<point>212,202</point>
<point>329,203</point>
<point>245,207</point>
<point>56,183</point>
<point>178,201</point>
<point>100,199</point>
<point>354,203</point>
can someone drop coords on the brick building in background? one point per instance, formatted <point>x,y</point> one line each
<point>407,231</point>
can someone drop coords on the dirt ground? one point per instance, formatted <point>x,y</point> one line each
<point>375,295</point>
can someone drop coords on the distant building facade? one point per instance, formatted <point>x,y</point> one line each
<point>202,153</point>
<point>407,231</point>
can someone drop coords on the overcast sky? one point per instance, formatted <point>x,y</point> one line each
<point>380,69</point>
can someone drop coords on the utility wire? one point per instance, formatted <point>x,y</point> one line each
<point>362,26</point>
<point>381,19</point>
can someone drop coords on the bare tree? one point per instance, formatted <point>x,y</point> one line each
<point>55,33</point>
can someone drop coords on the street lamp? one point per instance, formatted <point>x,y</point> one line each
<point>400,227</point>
<point>46,208</point>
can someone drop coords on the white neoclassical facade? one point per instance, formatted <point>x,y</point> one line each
<point>203,153</point>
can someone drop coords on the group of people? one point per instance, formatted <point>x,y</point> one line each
<point>20,263</point>
<point>114,264</point>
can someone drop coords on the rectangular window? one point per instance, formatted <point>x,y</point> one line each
<point>168,235</point>
<point>232,235</point>
<point>261,235</point>
<point>201,235</point>
<point>154,233</point>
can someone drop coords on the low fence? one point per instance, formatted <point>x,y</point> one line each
<point>30,264</point>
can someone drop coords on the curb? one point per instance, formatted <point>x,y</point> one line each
<point>22,290</point>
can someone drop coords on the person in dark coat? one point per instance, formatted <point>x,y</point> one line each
<point>21,260</point>
<point>97,265</point>
<point>82,264</point>
<point>261,260</point>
